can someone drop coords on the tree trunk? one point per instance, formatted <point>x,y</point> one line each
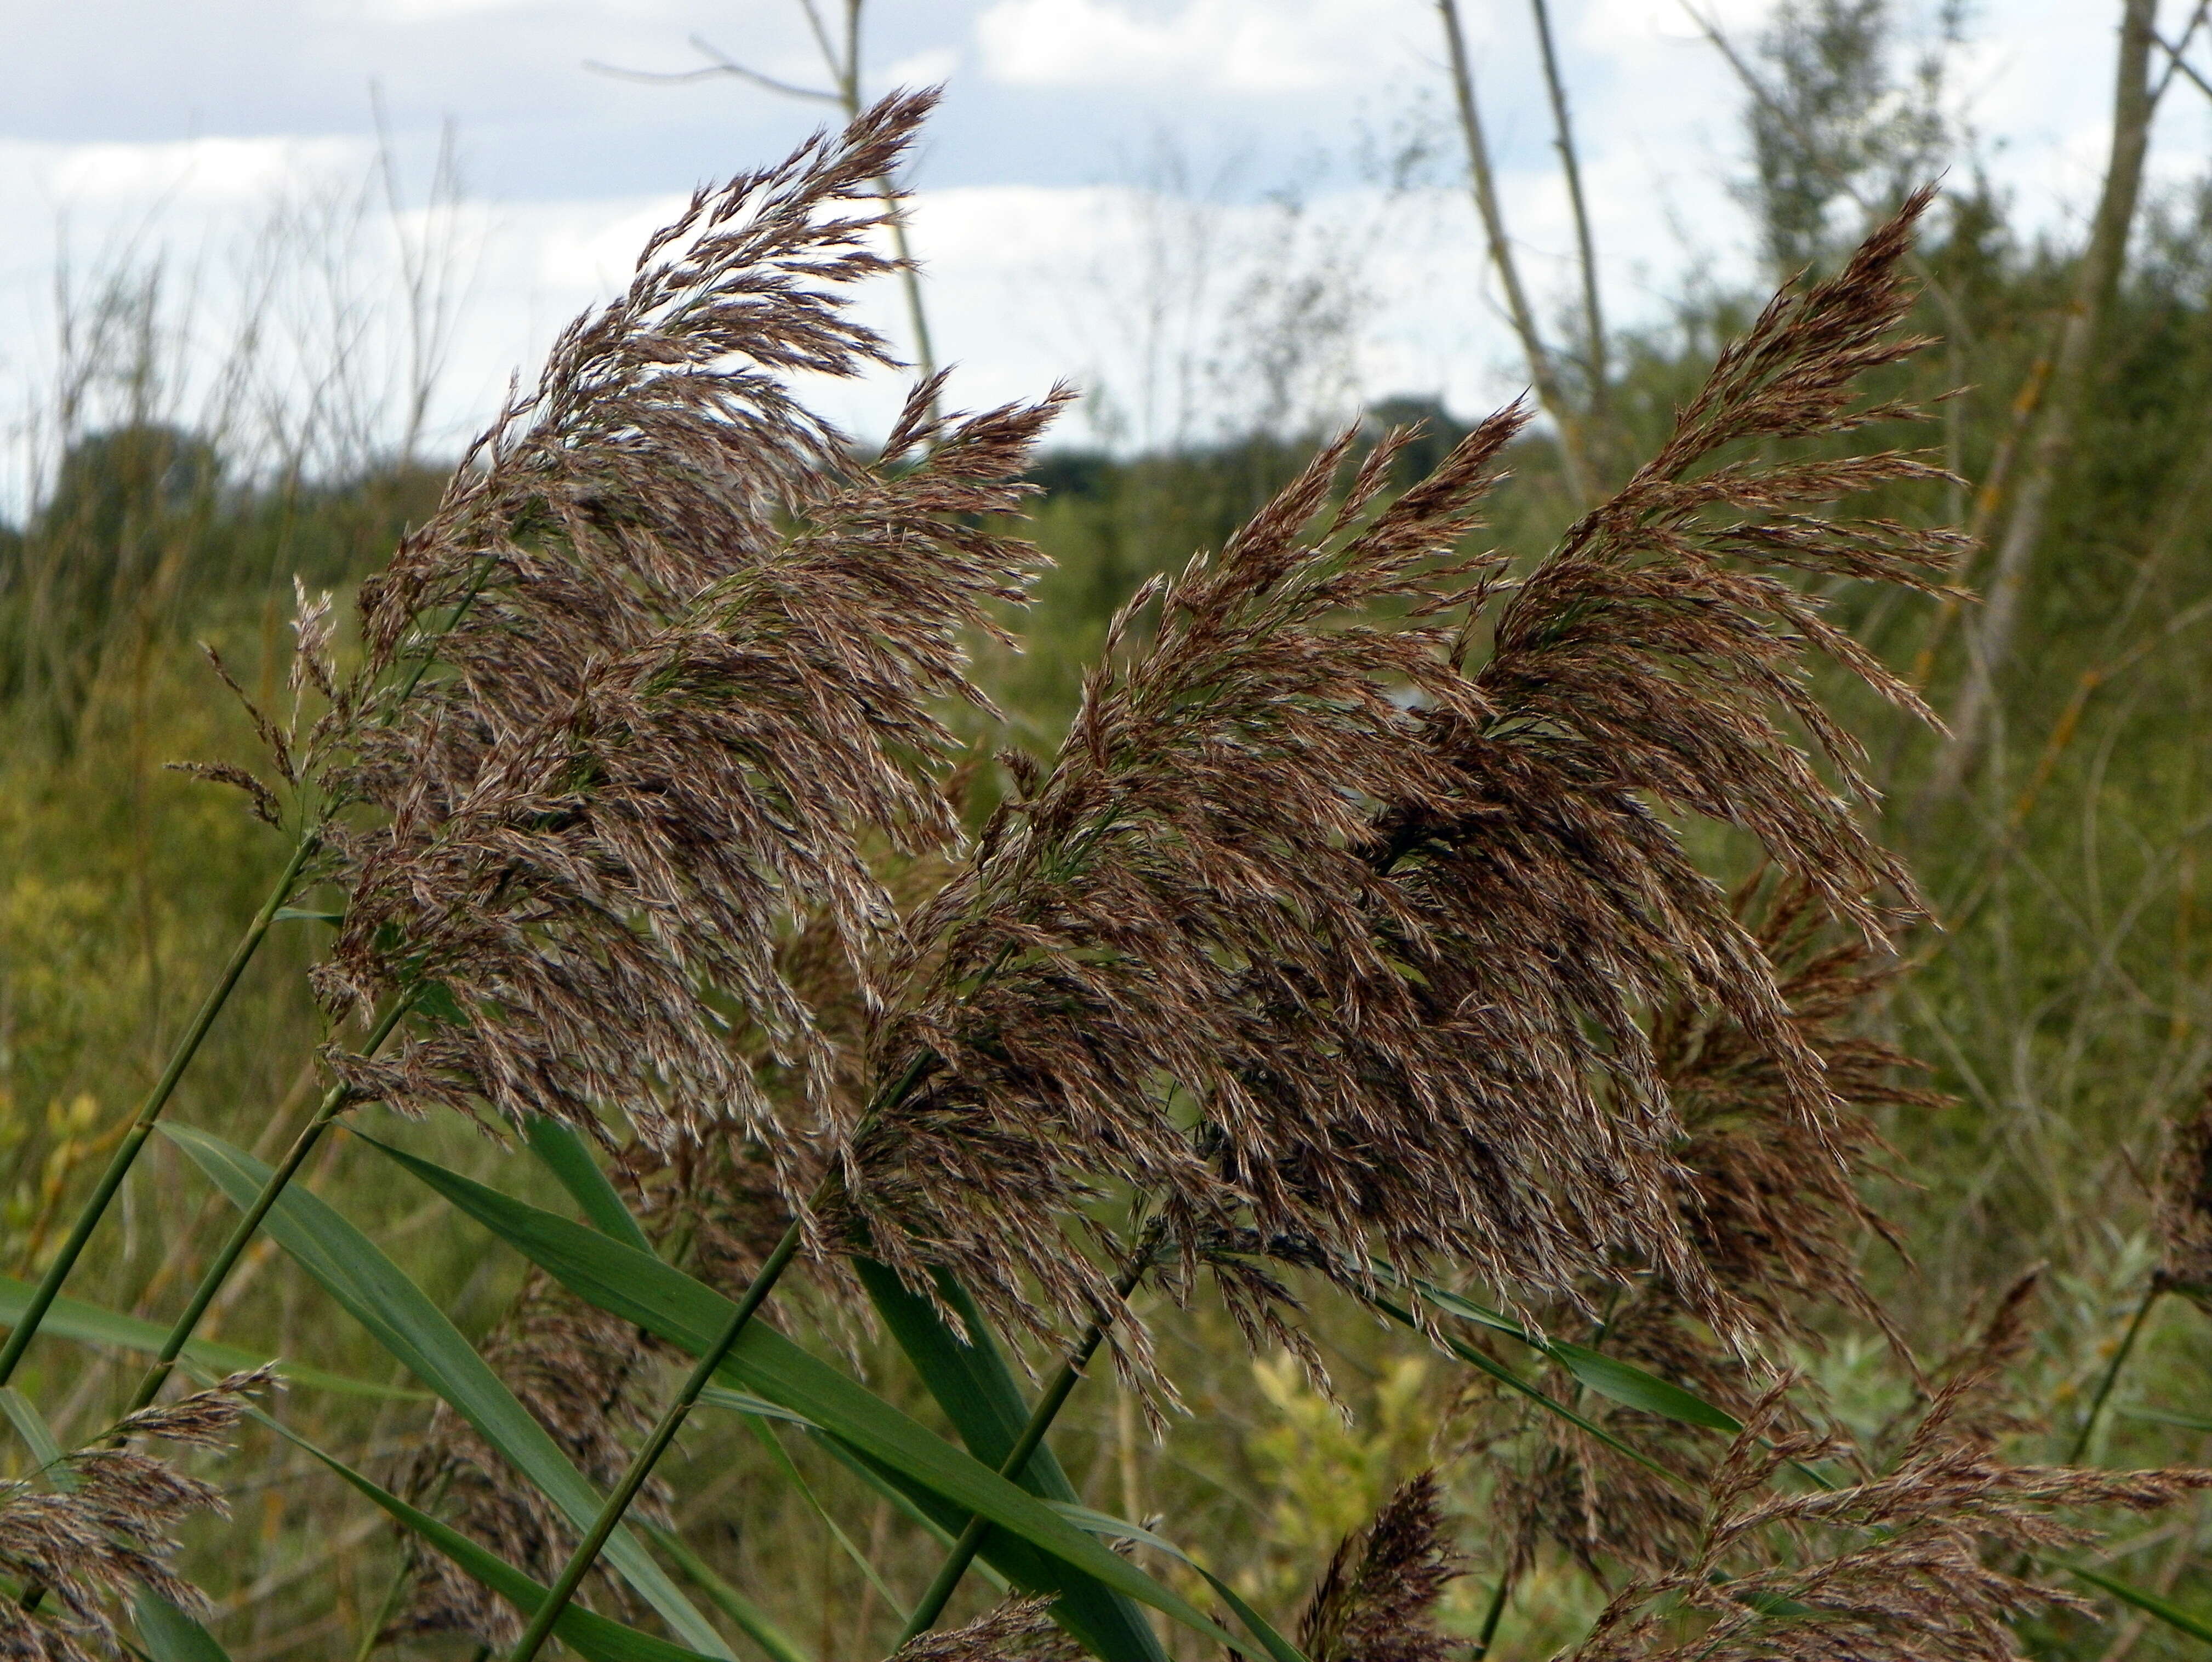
<point>2103,261</point>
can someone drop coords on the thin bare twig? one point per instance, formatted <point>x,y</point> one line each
<point>1543,373</point>
<point>844,67</point>
<point>2102,259</point>
<point>1585,244</point>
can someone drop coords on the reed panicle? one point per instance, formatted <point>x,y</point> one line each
<point>1376,1601</point>
<point>1019,1630</point>
<point>1898,1565</point>
<point>1769,1209</point>
<point>1308,965</point>
<point>691,654</point>
<point>97,1524</point>
<point>583,1375</point>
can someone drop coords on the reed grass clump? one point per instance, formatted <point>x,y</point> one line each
<point>1353,945</point>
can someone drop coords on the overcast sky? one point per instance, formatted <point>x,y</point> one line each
<point>1103,185</point>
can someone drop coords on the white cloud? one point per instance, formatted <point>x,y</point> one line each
<point>1234,46</point>
<point>205,170</point>
<point>930,67</point>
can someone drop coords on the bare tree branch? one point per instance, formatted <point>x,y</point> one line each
<point>844,67</point>
<point>1586,246</point>
<point>2174,59</point>
<point>2102,260</point>
<point>1542,370</point>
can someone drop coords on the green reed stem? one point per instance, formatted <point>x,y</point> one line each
<point>335,1100</point>
<point>649,1455</point>
<point>940,1589</point>
<point>141,1127</point>
<point>2112,1373</point>
<point>1491,1617</point>
<point>383,1613</point>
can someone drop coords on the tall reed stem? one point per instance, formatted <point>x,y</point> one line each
<point>648,1454</point>
<point>2112,1373</point>
<point>335,1100</point>
<point>141,1127</point>
<point>1491,1618</point>
<point>940,1589</point>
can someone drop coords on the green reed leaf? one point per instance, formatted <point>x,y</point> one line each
<point>1623,1382</point>
<point>89,1324</point>
<point>1279,1648</point>
<point>378,1293</point>
<point>769,1440</point>
<point>170,1635</point>
<point>759,1626</point>
<point>2197,1626</point>
<point>641,1289</point>
<point>973,1384</point>
<point>569,1157</point>
<point>2164,1416</point>
<point>596,1638</point>
<point>31,1426</point>
<point>1505,1376</point>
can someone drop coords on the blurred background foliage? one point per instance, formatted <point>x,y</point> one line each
<point>2060,1000</point>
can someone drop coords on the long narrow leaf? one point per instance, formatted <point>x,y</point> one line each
<point>569,1159</point>
<point>170,1635</point>
<point>922,1508</point>
<point>31,1426</point>
<point>760,1626</point>
<point>1625,1383</point>
<point>689,1314</point>
<point>597,1638</point>
<point>976,1389</point>
<point>769,1440</point>
<point>356,1272</point>
<point>1099,1523</point>
<point>2196,1626</point>
<point>1505,1376</point>
<point>89,1324</point>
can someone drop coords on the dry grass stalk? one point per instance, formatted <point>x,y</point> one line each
<point>2185,1205</point>
<point>1019,1630</point>
<point>1298,964</point>
<point>583,1375</point>
<point>1898,1566</point>
<point>97,1524</point>
<point>1376,1602</point>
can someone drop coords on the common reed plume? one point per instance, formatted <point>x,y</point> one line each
<point>1310,966</point>
<point>581,1374</point>
<point>685,655</point>
<point>2185,1205</point>
<point>1376,1601</point>
<point>1772,1213</point>
<point>1900,1564</point>
<point>97,1525</point>
<point>1019,1630</point>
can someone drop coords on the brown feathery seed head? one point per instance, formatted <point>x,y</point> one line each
<point>587,1377</point>
<point>1019,1630</point>
<point>1897,1567</point>
<point>1272,947</point>
<point>1376,1602</point>
<point>2184,1203</point>
<point>1186,896</point>
<point>97,1525</point>
<point>662,670</point>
